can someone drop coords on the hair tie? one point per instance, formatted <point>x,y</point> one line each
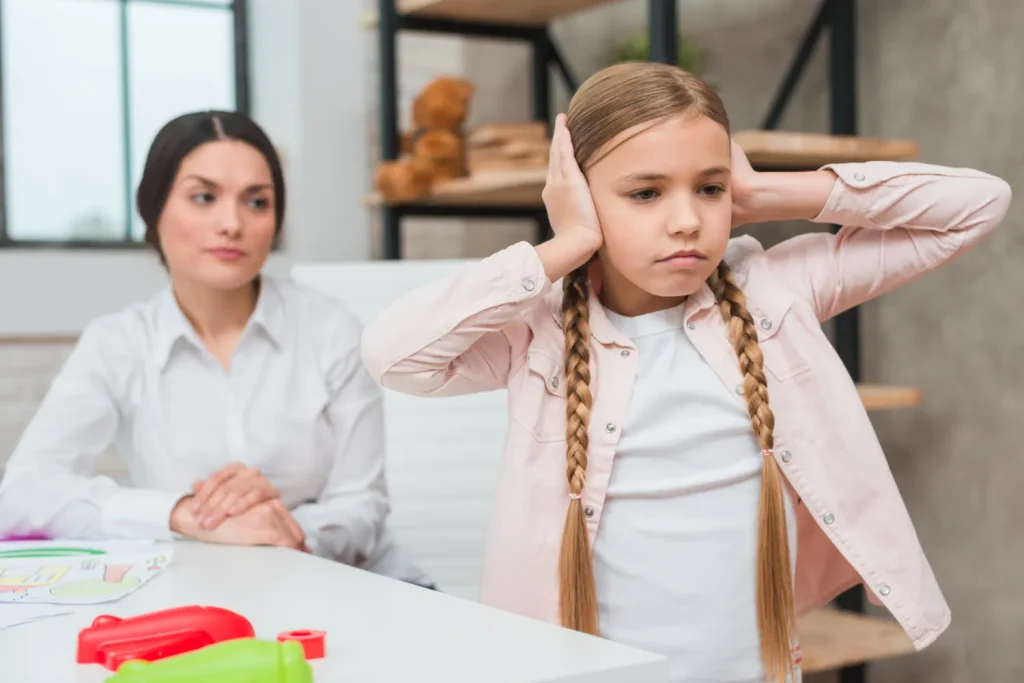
<point>768,453</point>
<point>574,496</point>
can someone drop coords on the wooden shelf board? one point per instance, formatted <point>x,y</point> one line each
<point>882,397</point>
<point>518,187</point>
<point>765,149</point>
<point>831,639</point>
<point>515,12</point>
<point>811,150</point>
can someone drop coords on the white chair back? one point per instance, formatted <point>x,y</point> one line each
<point>443,453</point>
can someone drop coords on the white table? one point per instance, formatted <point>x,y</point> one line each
<point>379,630</point>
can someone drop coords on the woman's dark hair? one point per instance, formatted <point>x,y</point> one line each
<point>177,139</point>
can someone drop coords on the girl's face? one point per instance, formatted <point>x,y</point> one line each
<point>218,225</point>
<point>663,199</point>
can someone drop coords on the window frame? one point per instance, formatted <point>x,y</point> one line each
<point>243,103</point>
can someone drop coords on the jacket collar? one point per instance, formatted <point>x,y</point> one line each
<point>768,300</point>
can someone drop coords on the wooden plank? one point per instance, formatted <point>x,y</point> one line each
<point>485,163</point>
<point>881,397</point>
<point>516,12</point>
<point>516,187</point>
<point>765,149</point>
<point>811,150</point>
<point>490,134</point>
<point>831,639</point>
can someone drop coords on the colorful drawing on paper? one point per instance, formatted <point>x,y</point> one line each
<point>77,580</point>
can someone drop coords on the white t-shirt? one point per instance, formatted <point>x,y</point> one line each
<point>675,556</point>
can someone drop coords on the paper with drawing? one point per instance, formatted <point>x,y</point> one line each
<point>76,579</point>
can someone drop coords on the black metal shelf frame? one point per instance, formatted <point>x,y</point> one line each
<point>545,54</point>
<point>839,17</point>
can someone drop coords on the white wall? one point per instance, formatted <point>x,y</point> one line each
<point>309,75</point>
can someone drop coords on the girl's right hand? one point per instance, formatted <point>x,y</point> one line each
<point>570,207</point>
<point>566,194</point>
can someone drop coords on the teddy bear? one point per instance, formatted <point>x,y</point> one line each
<point>434,149</point>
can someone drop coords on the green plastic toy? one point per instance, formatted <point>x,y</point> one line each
<point>242,660</point>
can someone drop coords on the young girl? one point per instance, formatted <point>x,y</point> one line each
<point>639,386</point>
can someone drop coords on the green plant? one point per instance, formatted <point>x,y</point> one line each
<point>691,57</point>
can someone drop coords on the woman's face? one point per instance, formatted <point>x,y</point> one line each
<point>218,225</point>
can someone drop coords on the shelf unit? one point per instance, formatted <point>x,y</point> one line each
<point>765,149</point>
<point>833,639</point>
<point>840,638</point>
<point>528,13</point>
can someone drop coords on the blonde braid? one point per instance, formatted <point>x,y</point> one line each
<point>776,620</point>
<point>578,593</point>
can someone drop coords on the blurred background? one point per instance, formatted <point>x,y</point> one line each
<point>85,84</point>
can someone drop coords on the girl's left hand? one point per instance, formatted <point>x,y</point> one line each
<point>744,178</point>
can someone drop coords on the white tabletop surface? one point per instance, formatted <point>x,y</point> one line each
<point>378,630</point>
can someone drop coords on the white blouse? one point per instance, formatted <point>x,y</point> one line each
<point>297,403</point>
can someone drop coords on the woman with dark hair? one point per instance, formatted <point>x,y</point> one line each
<point>238,402</point>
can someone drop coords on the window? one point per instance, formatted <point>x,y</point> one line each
<point>84,87</point>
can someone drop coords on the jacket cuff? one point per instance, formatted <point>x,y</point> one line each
<point>847,202</point>
<point>314,543</point>
<point>311,530</point>
<point>523,271</point>
<point>139,513</point>
<point>855,197</point>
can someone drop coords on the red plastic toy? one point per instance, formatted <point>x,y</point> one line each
<point>110,640</point>
<point>312,641</point>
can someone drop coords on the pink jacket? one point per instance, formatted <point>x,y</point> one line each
<point>495,324</point>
